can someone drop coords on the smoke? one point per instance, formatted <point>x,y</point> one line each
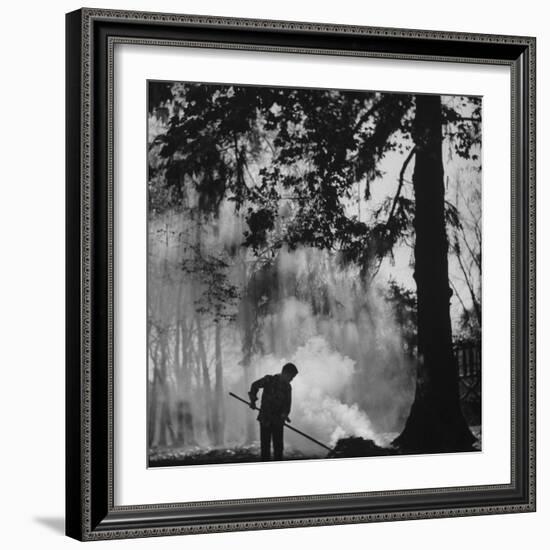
<point>332,393</point>
<point>354,376</point>
<point>324,375</point>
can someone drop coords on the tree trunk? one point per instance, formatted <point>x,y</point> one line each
<point>247,336</point>
<point>205,377</point>
<point>152,399</point>
<point>162,395</point>
<point>435,422</point>
<point>218,404</point>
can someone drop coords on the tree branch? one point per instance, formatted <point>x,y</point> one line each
<point>401,180</point>
<point>475,301</point>
<point>456,293</point>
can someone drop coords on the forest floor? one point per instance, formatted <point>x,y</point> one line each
<point>349,447</point>
<point>168,456</point>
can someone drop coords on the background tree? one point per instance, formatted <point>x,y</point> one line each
<point>465,242</point>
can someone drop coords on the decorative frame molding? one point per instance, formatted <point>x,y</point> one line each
<point>90,510</point>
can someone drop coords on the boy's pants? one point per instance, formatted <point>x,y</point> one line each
<point>271,432</point>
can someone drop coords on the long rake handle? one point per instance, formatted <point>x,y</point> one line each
<point>285,424</point>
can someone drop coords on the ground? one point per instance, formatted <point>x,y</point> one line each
<point>345,448</point>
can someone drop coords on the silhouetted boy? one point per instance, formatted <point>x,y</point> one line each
<point>275,408</point>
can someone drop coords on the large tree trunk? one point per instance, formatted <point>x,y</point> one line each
<point>435,422</point>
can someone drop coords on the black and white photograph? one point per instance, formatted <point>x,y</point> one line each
<point>313,273</point>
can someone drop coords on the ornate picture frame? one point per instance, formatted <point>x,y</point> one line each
<point>91,512</point>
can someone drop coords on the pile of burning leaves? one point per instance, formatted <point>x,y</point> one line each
<point>351,447</point>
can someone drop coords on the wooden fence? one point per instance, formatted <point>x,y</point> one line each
<point>468,358</point>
